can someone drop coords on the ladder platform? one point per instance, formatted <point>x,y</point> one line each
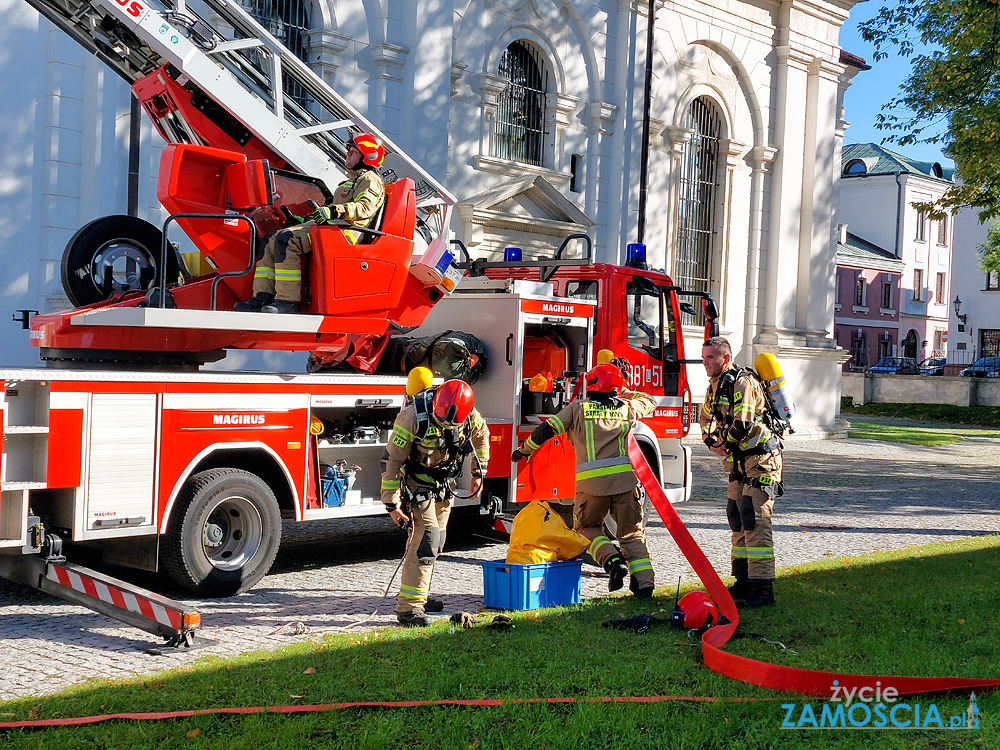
<point>226,320</point>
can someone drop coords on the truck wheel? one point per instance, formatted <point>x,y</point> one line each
<point>113,254</point>
<point>224,533</point>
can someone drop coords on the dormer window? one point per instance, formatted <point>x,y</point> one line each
<point>856,166</point>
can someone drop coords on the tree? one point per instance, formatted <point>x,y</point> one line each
<point>952,96</point>
<point>989,251</point>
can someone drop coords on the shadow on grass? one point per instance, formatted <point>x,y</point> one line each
<point>926,612</point>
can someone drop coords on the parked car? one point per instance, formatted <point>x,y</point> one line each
<point>932,366</point>
<point>984,367</point>
<point>896,366</point>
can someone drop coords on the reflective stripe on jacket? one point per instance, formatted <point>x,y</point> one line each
<point>598,431</point>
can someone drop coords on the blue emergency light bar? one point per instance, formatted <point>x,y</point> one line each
<point>512,255</point>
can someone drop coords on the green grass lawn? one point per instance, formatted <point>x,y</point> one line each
<point>928,611</point>
<point>983,416</point>
<point>894,434</point>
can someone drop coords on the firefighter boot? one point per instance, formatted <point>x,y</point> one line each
<point>640,592</point>
<point>761,593</point>
<point>414,619</point>
<point>616,569</point>
<point>255,303</point>
<point>281,307</point>
<point>741,588</point>
<point>433,605</point>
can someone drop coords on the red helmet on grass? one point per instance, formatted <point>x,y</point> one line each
<point>371,148</point>
<point>605,379</point>
<point>699,609</point>
<point>453,403</point>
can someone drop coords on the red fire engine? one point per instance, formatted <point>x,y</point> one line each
<point>122,444</point>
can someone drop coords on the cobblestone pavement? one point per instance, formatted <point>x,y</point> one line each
<point>843,497</point>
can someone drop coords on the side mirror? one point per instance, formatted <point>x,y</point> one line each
<point>710,308</point>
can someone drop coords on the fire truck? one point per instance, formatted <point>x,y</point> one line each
<point>123,444</point>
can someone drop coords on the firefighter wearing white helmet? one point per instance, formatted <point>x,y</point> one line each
<point>735,426</point>
<point>431,439</point>
<point>598,428</point>
<point>277,280</point>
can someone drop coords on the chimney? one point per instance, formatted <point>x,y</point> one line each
<point>842,234</point>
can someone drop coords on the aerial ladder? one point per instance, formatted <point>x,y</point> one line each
<point>253,134</point>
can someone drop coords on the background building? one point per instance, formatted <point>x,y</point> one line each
<point>974,329</point>
<point>878,188</point>
<point>531,112</point>
<point>867,306</point>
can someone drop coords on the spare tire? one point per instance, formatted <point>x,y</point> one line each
<point>113,254</point>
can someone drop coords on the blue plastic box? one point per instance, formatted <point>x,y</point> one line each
<point>509,586</point>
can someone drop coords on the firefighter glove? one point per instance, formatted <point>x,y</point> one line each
<point>465,619</point>
<point>502,623</point>
<point>326,214</point>
<point>635,623</point>
<point>518,455</point>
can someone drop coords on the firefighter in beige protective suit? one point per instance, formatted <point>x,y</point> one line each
<point>598,428</point>
<point>430,440</point>
<point>277,280</point>
<point>734,426</point>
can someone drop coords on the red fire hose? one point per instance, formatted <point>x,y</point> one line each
<point>773,676</point>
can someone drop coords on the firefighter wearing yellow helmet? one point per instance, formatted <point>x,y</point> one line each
<point>277,281</point>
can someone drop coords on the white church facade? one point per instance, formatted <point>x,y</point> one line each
<point>531,112</point>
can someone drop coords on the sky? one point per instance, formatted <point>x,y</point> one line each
<point>873,88</point>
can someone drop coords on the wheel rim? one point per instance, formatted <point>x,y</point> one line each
<point>232,533</point>
<point>122,265</point>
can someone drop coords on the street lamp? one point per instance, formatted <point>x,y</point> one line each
<point>958,307</point>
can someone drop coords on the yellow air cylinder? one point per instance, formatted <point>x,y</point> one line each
<point>777,396</point>
<point>605,357</point>
<point>419,379</point>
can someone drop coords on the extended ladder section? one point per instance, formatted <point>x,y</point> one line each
<point>247,82</point>
<point>254,135</point>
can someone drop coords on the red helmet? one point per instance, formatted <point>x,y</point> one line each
<point>453,402</point>
<point>371,148</point>
<point>699,610</point>
<point>605,379</point>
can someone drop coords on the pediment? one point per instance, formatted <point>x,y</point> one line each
<point>533,199</point>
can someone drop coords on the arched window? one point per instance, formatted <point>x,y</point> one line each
<point>519,126</point>
<point>856,166</point>
<point>699,185</point>
<point>910,344</point>
<point>288,21</point>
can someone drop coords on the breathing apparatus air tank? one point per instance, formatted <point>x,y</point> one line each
<point>777,397</point>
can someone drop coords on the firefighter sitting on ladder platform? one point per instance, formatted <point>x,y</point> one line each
<point>277,282</point>
<point>430,440</point>
<point>605,481</point>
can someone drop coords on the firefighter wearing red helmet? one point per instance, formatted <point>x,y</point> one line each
<point>598,428</point>
<point>431,439</point>
<point>277,281</point>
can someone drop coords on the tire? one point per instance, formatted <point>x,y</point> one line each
<point>113,254</point>
<point>224,533</point>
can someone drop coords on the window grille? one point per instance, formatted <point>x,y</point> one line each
<point>519,125</point>
<point>699,184</point>
<point>288,22</point>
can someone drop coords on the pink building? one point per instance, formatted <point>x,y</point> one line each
<point>866,317</point>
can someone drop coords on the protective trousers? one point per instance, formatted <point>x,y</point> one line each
<point>748,508</point>
<point>279,271</point>
<point>589,512</point>
<point>430,521</point>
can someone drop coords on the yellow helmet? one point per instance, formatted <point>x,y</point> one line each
<point>605,357</point>
<point>419,379</point>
